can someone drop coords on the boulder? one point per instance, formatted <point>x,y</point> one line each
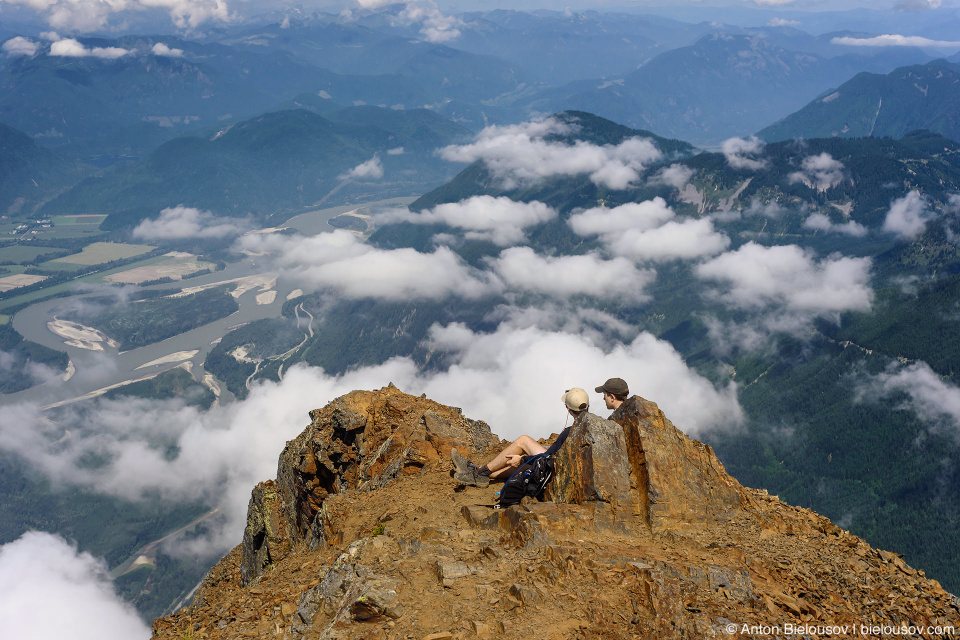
<point>264,537</point>
<point>592,467</point>
<point>675,479</point>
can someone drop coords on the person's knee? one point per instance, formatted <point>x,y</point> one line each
<point>523,442</point>
<point>529,445</point>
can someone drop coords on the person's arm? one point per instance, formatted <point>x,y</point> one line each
<point>559,443</point>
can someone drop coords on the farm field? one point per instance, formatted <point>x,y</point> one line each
<point>63,287</point>
<point>19,280</point>
<point>98,253</point>
<point>19,253</point>
<point>74,226</point>
<point>173,265</point>
<point>82,220</point>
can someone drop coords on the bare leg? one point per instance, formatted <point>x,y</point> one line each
<point>508,460</point>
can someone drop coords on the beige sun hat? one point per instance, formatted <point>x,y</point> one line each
<point>576,399</point>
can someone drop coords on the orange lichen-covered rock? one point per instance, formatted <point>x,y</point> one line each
<point>592,467</point>
<point>676,479</point>
<point>359,441</point>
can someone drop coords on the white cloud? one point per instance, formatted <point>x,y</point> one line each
<point>519,155</point>
<point>20,46</point>
<point>490,369</point>
<point>782,22</point>
<point>790,277</point>
<point>771,209</point>
<point>934,401</point>
<point>676,175</point>
<point>647,231</point>
<point>163,50</point>
<point>895,40</point>
<point>70,48</point>
<point>342,262</point>
<point>48,590</point>
<point>522,269</point>
<point>180,223</point>
<point>372,169</point>
<point>908,216</point>
<point>744,154</point>
<point>90,15</point>
<point>822,222</point>
<point>594,325</point>
<point>684,239</point>
<point>500,220</point>
<point>642,216</point>
<point>782,289</point>
<point>819,172</point>
<point>434,26</point>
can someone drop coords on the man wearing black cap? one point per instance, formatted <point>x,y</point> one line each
<point>615,392</point>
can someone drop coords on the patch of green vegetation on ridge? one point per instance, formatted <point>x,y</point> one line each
<point>869,464</point>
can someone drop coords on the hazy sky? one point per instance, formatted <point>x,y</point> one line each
<point>77,16</point>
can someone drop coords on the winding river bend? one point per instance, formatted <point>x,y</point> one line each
<point>98,370</point>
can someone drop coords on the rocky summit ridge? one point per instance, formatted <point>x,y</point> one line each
<point>643,534</point>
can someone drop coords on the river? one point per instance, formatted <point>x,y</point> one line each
<point>98,370</point>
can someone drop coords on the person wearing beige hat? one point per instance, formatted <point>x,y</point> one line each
<point>575,400</point>
<point>615,392</point>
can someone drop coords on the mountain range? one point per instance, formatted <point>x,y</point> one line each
<point>798,290</point>
<point>30,173</point>
<point>711,90</point>
<point>870,104</point>
<point>272,166</point>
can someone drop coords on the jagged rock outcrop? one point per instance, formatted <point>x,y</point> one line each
<point>359,441</point>
<point>365,535</point>
<point>676,479</point>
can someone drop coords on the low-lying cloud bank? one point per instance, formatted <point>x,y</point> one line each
<point>519,155</point>
<point>90,15</point>
<point>50,591</point>
<point>343,263</point>
<point>908,216</point>
<point>819,172</point>
<point>895,40</point>
<point>649,231</point>
<point>782,289</point>
<point>934,401</point>
<point>500,220</point>
<point>186,223</point>
<point>512,378</point>
<point>743,153</point>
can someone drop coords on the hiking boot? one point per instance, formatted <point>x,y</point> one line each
<point>467,473</point>
<point>459,462</point>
